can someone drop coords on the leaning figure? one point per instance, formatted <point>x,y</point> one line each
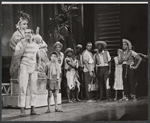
<point>17,36</point>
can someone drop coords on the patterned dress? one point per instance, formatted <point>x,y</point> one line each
<point>72,75</point>
<point>118,85</point>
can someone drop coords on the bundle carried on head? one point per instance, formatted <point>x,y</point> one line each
<point>23,16</point>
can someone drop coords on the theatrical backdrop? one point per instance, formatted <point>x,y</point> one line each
<point>110,23</point>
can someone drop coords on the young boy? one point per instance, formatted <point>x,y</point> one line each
<point>53,72</point>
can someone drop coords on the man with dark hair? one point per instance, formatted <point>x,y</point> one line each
<point>88,70</point>
<point>30,60</point>
<point>102,60</point>
<point>53,73</point>
<point>78,56</point>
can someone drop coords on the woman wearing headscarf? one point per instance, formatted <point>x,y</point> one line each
<point>21,26</point>
<point>17,36</point>
<point>71,66</point>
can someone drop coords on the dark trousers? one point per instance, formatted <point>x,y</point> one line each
<point>102,81</point>
<point>128,80</point>
<point>81,76</point>
<point>87,80</point>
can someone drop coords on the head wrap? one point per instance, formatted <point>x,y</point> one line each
<point>69,50</point>
<point>22,16</point>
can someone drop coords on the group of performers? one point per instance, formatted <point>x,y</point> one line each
<point>81,67</point>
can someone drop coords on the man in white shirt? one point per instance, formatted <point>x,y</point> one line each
<point>103,64</point>
<point>88,70</point>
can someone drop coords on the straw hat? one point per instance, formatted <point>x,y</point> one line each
<point>128,42</point>
<point>79,46</point>
<point>101,42</point>
<point>58,43</point>
<point>95,50</point>
<point>54,52</point>
<point>69,49</point>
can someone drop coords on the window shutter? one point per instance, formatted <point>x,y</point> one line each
<point>108,28</point>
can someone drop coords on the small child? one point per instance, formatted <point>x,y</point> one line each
<point>53,72</point>
<point>71,65</point>
<point>118,85</point>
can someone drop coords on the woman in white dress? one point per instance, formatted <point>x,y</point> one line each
<point>71,65</point>
<point>118,83</point>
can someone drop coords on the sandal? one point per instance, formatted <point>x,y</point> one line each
<point>48,111</point>
<point>57,110</point>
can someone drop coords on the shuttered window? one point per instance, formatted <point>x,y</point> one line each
<point>108,28</point>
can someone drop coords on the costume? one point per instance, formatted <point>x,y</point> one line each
<point>53,72</point>
<point>81,74</point>
<point>42,52</point>
<point>118,83</point>
<point>71,74</point>
<point>17,36</point>
<point>60,60</point>
<point>87,56</point>
<point>102,62</point>
<point>128,73</point>
<point>27,71</point>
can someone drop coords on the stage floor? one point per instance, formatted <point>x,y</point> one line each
<point>83,111</point>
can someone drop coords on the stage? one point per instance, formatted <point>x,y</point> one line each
<point>83,111</point>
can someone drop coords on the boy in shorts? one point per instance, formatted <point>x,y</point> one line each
<point>53,72</point>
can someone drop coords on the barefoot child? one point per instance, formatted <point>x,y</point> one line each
<point>53,72</point>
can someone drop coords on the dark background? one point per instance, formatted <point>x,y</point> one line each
<point>134,27</point>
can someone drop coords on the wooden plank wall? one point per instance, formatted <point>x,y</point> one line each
<point>108,28</point>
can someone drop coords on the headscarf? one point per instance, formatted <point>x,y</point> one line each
<point>22,16</point>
